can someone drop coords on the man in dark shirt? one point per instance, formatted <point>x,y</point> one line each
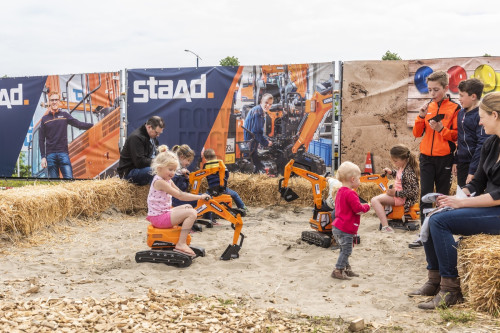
<point>53,138</point>
<point>139,150</point>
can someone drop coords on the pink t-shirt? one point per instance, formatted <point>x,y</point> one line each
<point>347,209</point>
<point>159,202</point>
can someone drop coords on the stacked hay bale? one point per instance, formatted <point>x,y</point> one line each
<point>27,209</point>
<point>479,267</point>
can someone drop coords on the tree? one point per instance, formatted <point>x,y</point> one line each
<point>487,55</point>
<point>229,61</point>
<point>24,169</point>
<point>391,56</point>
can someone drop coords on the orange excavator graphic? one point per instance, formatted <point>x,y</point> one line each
<point>290,123</point>
<point>92,98</point>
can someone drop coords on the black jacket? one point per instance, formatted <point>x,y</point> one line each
<point>471,137</point>
<point>487,176</point>
<point>136,152</point>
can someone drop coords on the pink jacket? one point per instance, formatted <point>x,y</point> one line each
<point>347,207</point>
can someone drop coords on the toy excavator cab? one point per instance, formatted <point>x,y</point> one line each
<point>397,217</point>
<point>162,243</point>
<point>223,210</point>
<point>321,221</point>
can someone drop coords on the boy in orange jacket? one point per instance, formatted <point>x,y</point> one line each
<point>437,124</point>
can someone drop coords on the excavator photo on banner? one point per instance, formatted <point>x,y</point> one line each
<point>291,123</point>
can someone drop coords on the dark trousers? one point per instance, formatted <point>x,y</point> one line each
<point>258,166</point>
<point>435,171</point>
<point>462,173</point>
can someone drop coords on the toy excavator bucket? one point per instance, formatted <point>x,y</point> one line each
<point>287,193</point>
<point>231,252</point>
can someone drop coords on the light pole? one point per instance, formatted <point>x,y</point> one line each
<point>197,57</point>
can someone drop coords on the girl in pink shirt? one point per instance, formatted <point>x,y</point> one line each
<point>160,211</point>
<point>348,209</point>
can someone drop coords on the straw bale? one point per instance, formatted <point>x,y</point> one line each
<point>368,190</point>
<point>25,210</point>
<point>479,267</point>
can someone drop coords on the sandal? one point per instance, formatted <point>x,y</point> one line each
<point>387,229</point>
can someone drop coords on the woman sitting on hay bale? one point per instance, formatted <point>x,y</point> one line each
<point>476,214</point>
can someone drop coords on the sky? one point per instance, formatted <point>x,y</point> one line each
<point>64,37</point>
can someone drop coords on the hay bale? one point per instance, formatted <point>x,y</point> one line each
<point>25,210</point>
<point>368,190</point>
<point>479,267</point>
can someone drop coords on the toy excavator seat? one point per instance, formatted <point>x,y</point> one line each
<point>162,243</point>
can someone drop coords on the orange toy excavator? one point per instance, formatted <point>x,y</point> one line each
<point>321,221</point>
<point>396,216</point>
<point>219,204</point>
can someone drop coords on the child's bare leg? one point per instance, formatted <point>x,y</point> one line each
<point>378,204</point>
<point>186,215</point>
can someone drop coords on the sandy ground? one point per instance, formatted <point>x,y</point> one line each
<point>275,268</point>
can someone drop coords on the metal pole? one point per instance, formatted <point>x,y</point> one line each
<point>197,56</point>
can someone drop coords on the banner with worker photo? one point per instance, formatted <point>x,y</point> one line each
<point>206,108</point>
<point>486,69</point>
<point>80,135</point>
<point>18,101</point>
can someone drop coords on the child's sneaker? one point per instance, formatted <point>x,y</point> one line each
<point>387,229</point>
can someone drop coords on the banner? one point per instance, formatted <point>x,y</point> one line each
<point>18,101</point>
<point>77,129</point>
<point>206,108</point>
<point>486,69</point>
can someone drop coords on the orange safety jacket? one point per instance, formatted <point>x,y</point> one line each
<point>440,143</point>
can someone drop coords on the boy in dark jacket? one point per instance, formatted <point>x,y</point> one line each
<point>471,135</point>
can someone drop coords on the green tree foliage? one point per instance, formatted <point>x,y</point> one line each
<point>391,56</point>
<point>229,61</point>
<point>24,169</point>
<point>487,55</point>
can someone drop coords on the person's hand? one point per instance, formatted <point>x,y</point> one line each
<point>388,171</point>
<point>449,201</point>
<point>423,110</point>
<point>185,172</point>
<point>205,196</point>
<point>44,163</point>
<point>469,178</point>
<point>390,192</point>
<point>270,144</point>
<point>436,125</point>
<point>454,170</point>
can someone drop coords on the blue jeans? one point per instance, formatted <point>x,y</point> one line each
<point>140,176</point>
<point>344,240</point>
<point>235,196</point>
<point>59,161</point>
<point>441,248</point>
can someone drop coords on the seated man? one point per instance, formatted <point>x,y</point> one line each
<point>138,151</point>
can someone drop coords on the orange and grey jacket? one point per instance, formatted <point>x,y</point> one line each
<point>436,143</point>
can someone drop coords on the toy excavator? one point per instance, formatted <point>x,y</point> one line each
<point>220,204</point>
<point>162,243</point>
<point>321,221</point>
<point>396,215</point>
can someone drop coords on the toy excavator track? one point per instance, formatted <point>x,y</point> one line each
<point>167,257</point>
<point>310,162</point>
<point>317,238</point>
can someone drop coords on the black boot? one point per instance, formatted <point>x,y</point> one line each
<point>349,272</point>
<point>431,287</point>
<point>450,294</point>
